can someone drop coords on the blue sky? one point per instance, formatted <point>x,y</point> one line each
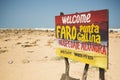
<point>41,13</point>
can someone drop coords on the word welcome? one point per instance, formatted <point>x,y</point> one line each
<point>79,18</point>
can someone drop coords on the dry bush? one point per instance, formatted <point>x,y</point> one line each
<point>3,51</point>
<point>24,61</point>
<point>49,43</point>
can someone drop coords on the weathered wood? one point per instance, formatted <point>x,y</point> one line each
<point>63,77</point>
<point>84,77</point>
<point>67,68</point>
<point>101,74</point>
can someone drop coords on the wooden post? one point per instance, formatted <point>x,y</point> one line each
<point>101,74</point>
<point>84,77</point>
<point>66,68</point>
<point>66,61</point>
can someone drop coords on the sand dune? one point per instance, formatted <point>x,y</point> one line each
<point>30,55</point>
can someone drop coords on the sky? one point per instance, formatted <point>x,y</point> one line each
<point>41,13</point>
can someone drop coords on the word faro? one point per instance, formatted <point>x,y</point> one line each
<point>89,33</point>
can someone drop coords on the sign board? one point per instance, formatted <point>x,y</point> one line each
<point>83,37</point>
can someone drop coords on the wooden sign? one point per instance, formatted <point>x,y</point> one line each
<point>83,37</point>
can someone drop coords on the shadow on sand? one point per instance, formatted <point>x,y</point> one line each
<point>64,77</point>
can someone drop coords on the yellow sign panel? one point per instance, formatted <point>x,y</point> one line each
<point>93,58</point>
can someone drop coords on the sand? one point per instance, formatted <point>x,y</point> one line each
<point>30,55</point>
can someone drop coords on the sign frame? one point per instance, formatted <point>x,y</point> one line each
<point>69,26</point>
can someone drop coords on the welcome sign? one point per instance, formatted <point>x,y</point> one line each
<point>83,37</point>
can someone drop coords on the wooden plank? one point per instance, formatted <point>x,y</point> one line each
<point>67,68</point>
<point>101,74</point>
<point>84,77</point>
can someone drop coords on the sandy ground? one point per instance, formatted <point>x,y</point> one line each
<point>30,55</point>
